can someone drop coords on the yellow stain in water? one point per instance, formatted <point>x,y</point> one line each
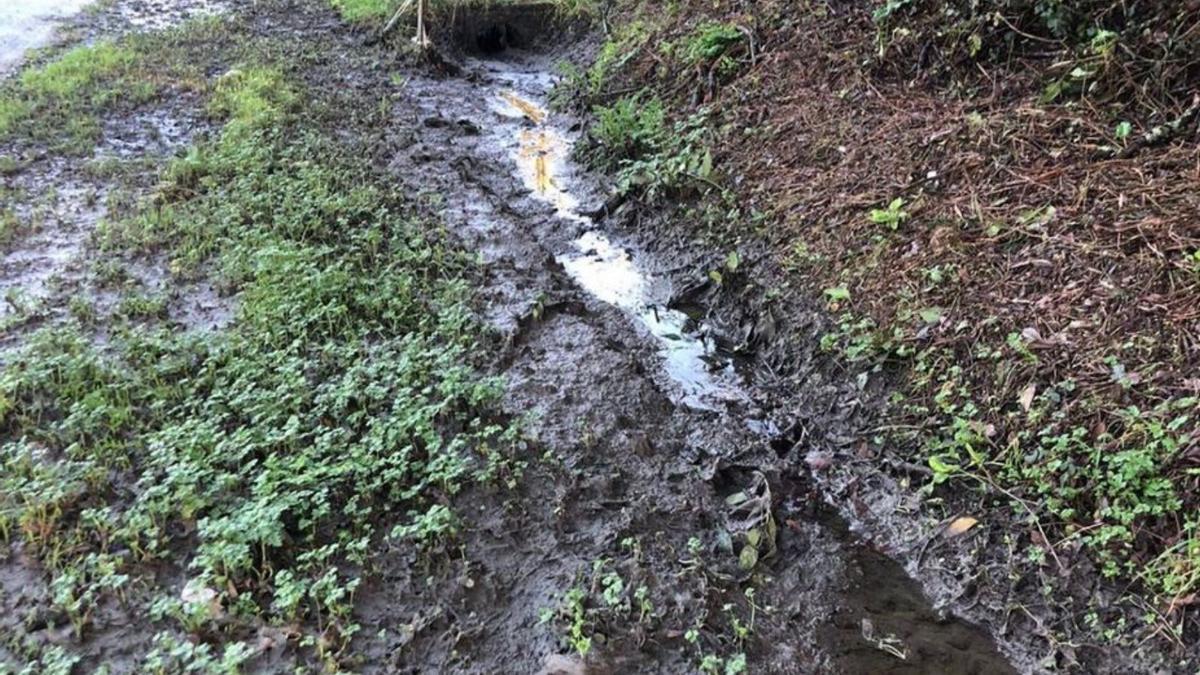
<point>539,150</point>
<point>536,149</point>
<point>533,111</point>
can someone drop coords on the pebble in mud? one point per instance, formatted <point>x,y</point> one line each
<point>557,664</point>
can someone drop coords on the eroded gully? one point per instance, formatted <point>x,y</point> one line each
<point>593,350</point>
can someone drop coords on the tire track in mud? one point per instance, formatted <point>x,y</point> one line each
<point>641,459</point>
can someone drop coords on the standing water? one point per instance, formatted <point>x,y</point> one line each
<point>25,24</point>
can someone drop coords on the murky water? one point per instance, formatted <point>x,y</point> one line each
<point>706,380</point>
<point>25,24</point>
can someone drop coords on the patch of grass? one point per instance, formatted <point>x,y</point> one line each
<point>262,461</point>
<point>64,93</point>
<point>629,129</point>
<point>376,11</point>
<point>77,72</point>
<point>587,85</point>
<point>711,44</point>
<point>364,10</point>
<point>632,137</point>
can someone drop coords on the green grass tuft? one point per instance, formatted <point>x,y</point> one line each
<point>364,10</point>
<point>60,99</point>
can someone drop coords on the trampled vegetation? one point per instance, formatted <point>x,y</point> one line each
<point>263,463</point>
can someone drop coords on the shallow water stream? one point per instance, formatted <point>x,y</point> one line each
<point>705,379</point>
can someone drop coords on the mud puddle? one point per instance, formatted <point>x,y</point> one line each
<point>28,24</point>
<point>57,203</point>
<point>638,397</point>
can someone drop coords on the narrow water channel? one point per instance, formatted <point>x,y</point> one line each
<point>704,378</point>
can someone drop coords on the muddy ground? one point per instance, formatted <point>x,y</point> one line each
<point>654,454</point>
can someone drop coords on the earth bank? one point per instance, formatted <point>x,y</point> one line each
<point>981,216</point>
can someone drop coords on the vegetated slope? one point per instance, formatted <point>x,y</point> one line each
<point>997,204</point>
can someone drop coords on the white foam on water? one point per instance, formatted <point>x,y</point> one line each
<point>608,271</point>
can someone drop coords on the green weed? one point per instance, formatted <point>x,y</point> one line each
<point>710,45</point>
<point>264,458</point>
<point>651,158</point>
<point>590,84</point>
<point>629,129</point>
<point>892,216</point>
<point>364,10</point>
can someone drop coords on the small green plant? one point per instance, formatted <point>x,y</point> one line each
<point>1193,261</point>
<point>892,216</point>
<point>429,529</point>
<point>588,85</point>
<point>576,611</point>
<point>629,129</point>
<point>172,655</point>
<point>632,136</point>
<point>884,12</point>
<point>732,262</point>
<point>711,44</point>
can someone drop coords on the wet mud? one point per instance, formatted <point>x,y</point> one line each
<point>58,202</point>
<point>659,447</point>
<point>655,421</point>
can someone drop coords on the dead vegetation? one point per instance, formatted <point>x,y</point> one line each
<point>998,200</point>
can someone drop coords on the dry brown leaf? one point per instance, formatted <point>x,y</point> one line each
<point>1026,399</point>
<point>960,526</point>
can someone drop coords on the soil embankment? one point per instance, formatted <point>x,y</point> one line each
<point>981,215</point>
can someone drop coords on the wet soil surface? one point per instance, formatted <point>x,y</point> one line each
<point>59,200</point>
<point>661,451</point>
<point>655,423</point>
